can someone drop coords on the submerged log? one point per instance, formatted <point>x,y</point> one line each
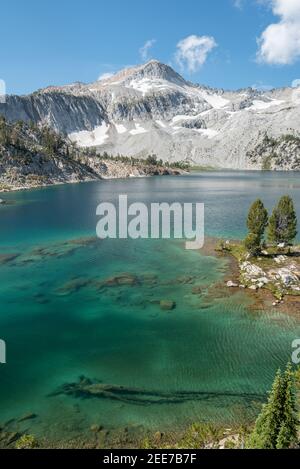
<point>86,388</point>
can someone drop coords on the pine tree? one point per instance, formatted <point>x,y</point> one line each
<point>257,218</point>
<point>276,426</point>
<point>257,221</point>
<point>288,430</point>
<point>283,439</point>
<point>252,244</point>
<point>282,226</point>
<point>266,427</point>
<point>4,132</point>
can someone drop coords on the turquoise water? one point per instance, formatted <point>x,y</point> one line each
<point>211,358</point>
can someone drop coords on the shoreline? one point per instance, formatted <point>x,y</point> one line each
<point>162,171</point>
<point>202,435</point>
<point>263,297</point>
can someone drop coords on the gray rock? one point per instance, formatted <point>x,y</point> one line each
<point>152,109</point>
<point>231,284</point>
<point>167,305</point>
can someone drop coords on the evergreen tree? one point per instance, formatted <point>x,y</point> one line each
<point>289,427</point>
<point>276,426</point>
<point>283,439</point>
<point>282,226</point>
<point>257,218</point>
<point>4,132</point>
<point>151,160</point>
<point>257,221</point>
<point>252,244</point>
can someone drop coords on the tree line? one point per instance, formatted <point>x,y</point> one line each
<point>18,134</point>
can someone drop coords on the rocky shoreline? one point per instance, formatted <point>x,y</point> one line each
<point>15,180</point>
<point>196,435</point>
<point>33,156</point>
<point>271,279</point>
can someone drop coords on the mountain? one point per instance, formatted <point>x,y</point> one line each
<point>152,109</point>
<point>33,156</point>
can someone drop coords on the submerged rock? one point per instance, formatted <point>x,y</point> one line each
<point>84,241</point>
<point>167,305</point>
<point>6,258</point>
<point>196,290</point>
<point>73,286</point>
<point>121,279</point>
<point>185,279</point>
<point>149,278</point>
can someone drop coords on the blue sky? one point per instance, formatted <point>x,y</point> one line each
<point>59,42</point>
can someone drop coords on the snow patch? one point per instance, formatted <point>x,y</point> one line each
<point>138,130</point>
<point>260,105</point>
<point>145,85</point>
<point>210,133</point>
<point>121,129</point>
<point>183,118</point>
<point>215,100</point>
<point>161,123</point>
<point>86,138</point>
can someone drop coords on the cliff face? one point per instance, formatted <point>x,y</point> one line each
<point>65,113</point>
<point>152,109</point>
<point>277,153</point>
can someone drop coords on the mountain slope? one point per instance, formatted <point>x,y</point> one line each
<point>32,156</point>
<point>152,109</point>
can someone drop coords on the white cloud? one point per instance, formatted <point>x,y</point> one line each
<point>280,42</point>
<point>192,51</point>
<point>296,83</point>
<point>144,50</point>
<point>105,76</point>
<point>238,4</point>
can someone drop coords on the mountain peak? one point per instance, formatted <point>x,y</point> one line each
<point>152,70</point>
<point>158,70</point>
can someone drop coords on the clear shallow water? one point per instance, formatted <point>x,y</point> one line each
<point>210,350</point>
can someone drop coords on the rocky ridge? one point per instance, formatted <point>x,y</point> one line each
<point>277,153</point>
<point>32,156</point>
<point>152,109</point>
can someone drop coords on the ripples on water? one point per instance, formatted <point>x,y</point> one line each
<point>208,359</point>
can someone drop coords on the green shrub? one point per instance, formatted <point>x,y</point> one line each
<point>26,442</point>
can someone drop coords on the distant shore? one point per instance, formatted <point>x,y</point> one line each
<point>114,170</point>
